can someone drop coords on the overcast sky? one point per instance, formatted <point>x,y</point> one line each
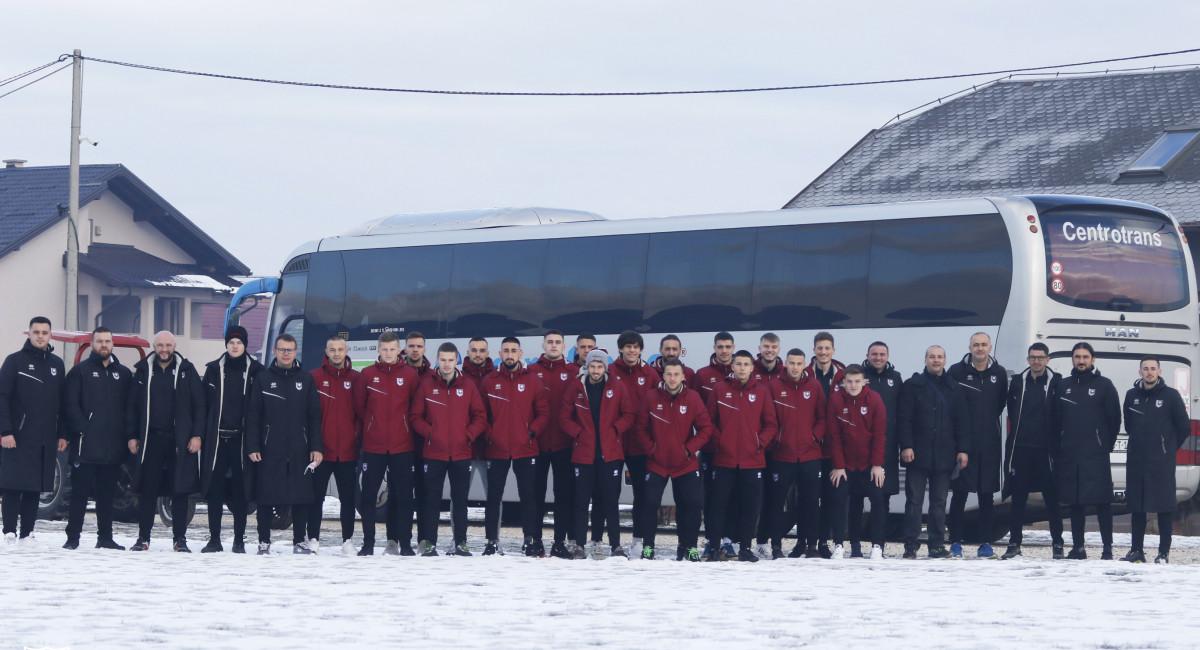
<point>264,168</point>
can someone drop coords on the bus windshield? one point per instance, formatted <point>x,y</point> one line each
<point>1114,260</point>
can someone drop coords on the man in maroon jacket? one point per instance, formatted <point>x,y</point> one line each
<point>414,357</point>
<point>719,369</point>
<point>337,381</point>
<point>670,347</point>
<point>795,458</point>
<point>828,371</point>
<point>858,438</point>
<point>746,425</point>
<point>638,377</point>
<point>477,365</point>
<point>517,416</point>
<point>556,374</point>
<point>448,414</point>
<point>674,423</point>
<point>768,364</point>
<point>383,401</point>
<point>598,413</point>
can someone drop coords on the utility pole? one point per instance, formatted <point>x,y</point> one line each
<point>72,298</point>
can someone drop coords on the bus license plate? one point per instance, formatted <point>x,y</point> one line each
<point>1121,446</point>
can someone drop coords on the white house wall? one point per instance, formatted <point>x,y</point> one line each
<point>117,226</point>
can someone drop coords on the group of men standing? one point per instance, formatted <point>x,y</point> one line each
<point>753,446</point>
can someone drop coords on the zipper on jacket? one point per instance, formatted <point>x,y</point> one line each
<point>21,426</point>
<point>267,436</point>
<point>1098,442</point>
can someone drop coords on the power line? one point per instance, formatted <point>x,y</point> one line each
<point>636,93</point>
<point>26,85</point>
<point>5,82</point>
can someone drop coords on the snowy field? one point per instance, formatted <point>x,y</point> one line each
<point>51,598</point>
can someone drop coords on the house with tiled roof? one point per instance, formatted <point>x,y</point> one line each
<point>1121,135</point>
<point>143,265</point>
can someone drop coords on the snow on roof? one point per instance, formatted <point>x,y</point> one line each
<point>191,281</point>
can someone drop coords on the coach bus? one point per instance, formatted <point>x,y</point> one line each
<point>1055,269</point>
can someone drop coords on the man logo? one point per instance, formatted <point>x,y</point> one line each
<point>891,382</point>
<point>641,381</point>
<point>862,410</point>
<point>993,379</point>
<point>399,381</point>
<point>346,385</point>
<point>616,473</point>
<point>682,409</point>
<point>497,386</point>
<point>520,388</point>
<point>374,380</point>
<point>54,372</point>
<point>458,392</point>
<point>1091,392</point>
<point>116,375</point>
<point>1158,403</point>
<point>807,394</point>
<point>562,376</point>
<point>324,384</point>
<point>752,397</point>
<point>299,385</point>
<point>783,393</point>
<point>96,374</point>
<point>273,385</point>
<point>608,393</point>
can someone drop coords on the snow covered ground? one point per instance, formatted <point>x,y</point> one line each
<point>92,598</point>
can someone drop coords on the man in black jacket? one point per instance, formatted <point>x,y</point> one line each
<point>166,421</point>
<point>884,380</point>
<point>1158,424</point>
<point>31,429</point>
<point>97,394</point>
<point>227,382</point>
<point>283,440</point>
<point>934,434</point>
<point>1028,464</point>
<point>1087,418</point>
<point>984,385</point>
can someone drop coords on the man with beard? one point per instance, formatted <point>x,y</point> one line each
<point>227,382</point>
<point>556,375</point>
<point>97,394</point>
<point>167,411</point>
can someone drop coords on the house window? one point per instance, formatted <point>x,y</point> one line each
<point>121,314</point>
<point>208,321</point>
<point>82,320</point>
<point>1168,148</point>
<point>168,315</point>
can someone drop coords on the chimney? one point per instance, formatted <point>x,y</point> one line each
<point>14,163</point>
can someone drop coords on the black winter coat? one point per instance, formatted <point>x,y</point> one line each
<point>31,388</point>
<point>887,384</point>
<point>95,405</point>
<point>1158,424</point>
<point>985,393</point>
<point>283,423</point>
<point>935,429</point>
<point>189,422</point>
<point>1087,418</point>
<point>214,401</point>
<point>1029,416</point>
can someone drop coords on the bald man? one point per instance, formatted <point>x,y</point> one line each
<point>166,422</point>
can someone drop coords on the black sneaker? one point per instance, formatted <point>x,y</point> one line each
<point>777,552</point>
<point>747,555</point>
<point>110,544</point>
<point>213,546</point>
<point>180,546</point>
<point>536,549</point>
<point>619,551</point>
<point>938,553</point>
<point>1162,558</point>
<point>910,553</point>
<point>578,552</point>
<point>489,548</point>
<point>71,544</point>
<point>1107,553</point>
<point>1134,556</point>
<point>239,546</point>
<point>1058,552</point>
<point>811,553</point>
<point>367,550</point>
<point>825,552</point>
<point>428,549</point>
<point>797,551</point>
<point>461,550</point>
<point>1013,551</point>
<point>560,551</point>
<point>141,545</point>
<point>1077,553</point>
<point>300,548</point>
<point>406,550</point>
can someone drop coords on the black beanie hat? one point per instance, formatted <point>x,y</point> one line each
<point>237,332</point>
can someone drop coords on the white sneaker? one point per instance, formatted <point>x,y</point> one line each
<point>593,550</point>
<point>876,552</point>
<point>10,538</point>
<point>314,544</point>
<point>348,548</point>
<point>635,548</point>
<point>763,551</point>
<point>838,552</point>
<point>26,541</point>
